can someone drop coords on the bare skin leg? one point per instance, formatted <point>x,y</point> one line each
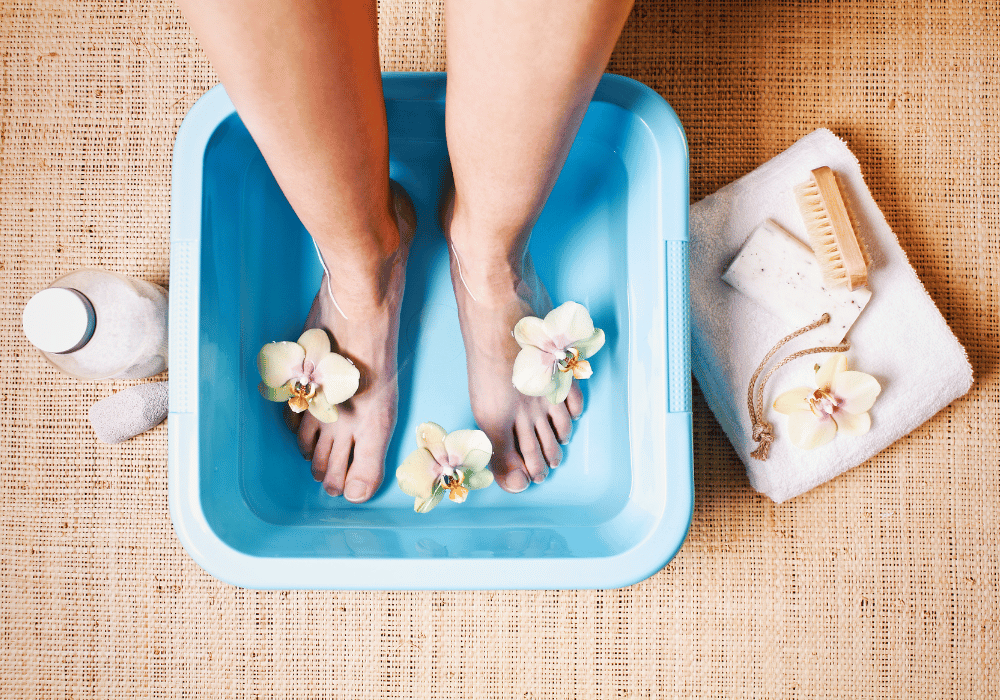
<point>520,76</point>
<point>304,76</point>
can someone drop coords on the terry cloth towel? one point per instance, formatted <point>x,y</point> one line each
<point>900,338</point>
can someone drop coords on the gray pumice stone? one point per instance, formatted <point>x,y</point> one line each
<point>129,412</point>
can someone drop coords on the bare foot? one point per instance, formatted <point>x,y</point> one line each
<point>348,455</point>
<point>493,295</point>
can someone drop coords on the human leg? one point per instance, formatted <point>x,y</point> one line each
<point>305,79</point>
<point>520,76</point>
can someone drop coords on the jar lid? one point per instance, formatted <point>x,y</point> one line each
<point>59,319</point>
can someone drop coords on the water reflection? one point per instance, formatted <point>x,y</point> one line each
<point>502,544</point>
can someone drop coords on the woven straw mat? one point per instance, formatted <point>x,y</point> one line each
<point>880,584</point>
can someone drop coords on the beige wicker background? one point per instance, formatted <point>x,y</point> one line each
<point>881,584</point>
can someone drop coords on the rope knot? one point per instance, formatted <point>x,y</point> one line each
<point>762,431</point>
<point>763,435</point>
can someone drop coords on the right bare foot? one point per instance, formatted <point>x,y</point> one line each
<point>348,455</point>
<point>493,294</point>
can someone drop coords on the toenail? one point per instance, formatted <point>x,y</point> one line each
<point>540,478</point>
<point>554,463</point>
<point>332,491</point>
<point>517,482</point>
<point>356,491</point>
<point>564,442</point>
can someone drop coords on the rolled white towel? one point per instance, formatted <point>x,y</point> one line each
<point>131,411</point>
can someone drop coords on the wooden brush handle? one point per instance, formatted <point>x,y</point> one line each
<point>843,229</point>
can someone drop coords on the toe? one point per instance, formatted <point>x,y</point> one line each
<point>307,435</point>
<point>574,402</point>
<point>531,451</point>
<point>561,424</point>
<point>364,475</point>
<point>333,482</point>
<point>321,456</point>
<point>512,476</point>
<point>548,442</point>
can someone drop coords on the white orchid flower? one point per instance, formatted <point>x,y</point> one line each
<point>554,351</point>
<point>307,375</point>
<point>841,401</point>
<point>453,463</point>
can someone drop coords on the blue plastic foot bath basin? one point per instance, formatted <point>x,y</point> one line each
<point>243,272</point>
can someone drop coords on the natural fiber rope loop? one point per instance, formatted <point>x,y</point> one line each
<point>762,433</point>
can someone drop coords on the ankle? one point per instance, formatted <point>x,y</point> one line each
<point>489,251</point>
<point>363,274</point>
<point>486,273</point>
<point>496,280</point>
<point>364,242</point>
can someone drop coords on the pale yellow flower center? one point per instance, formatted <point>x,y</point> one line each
<point>571,361</point>
<point>453,484</point>
<point>302,395</point>
<point>823,403</point>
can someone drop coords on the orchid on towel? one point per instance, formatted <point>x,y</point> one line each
<point>841,402</point>
<point>307,375</point>
<point>453,463</point>
<point>554,351</point>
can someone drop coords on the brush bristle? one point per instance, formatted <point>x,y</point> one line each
<point>820,231</point>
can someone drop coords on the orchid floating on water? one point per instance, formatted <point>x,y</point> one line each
<point>841,401</point>
<point>453,463</point>
<point>307,375</point>
<point>554,351</point>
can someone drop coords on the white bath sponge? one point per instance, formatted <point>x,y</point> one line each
<point>129,412</point>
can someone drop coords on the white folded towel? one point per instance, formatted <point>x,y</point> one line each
<point>900,338</point>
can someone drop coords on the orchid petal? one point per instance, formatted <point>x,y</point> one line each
<point>564,381</point>
<point>477,460</point>
<point>807,430</point>
<point>568,323</point>
<point>793,400</point>
<point>458,495</point>
<point>530,331</point>
<point>280,362</point>
<point>426,505</point>
<point>856,391</point>
<point>322,410</point>
<point>431,437</point>
<point>853,423</point>
<point>281,393</point>
<point>834,365</point>
<point>591,345</point>
<point>469,447</point>
<point>338,378</point>
<point>533,372</point>
<point>316,343</point>
<point>475,480</point>
<point>416,474</point>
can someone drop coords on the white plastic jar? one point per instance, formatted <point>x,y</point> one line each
<point>97,324</point>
